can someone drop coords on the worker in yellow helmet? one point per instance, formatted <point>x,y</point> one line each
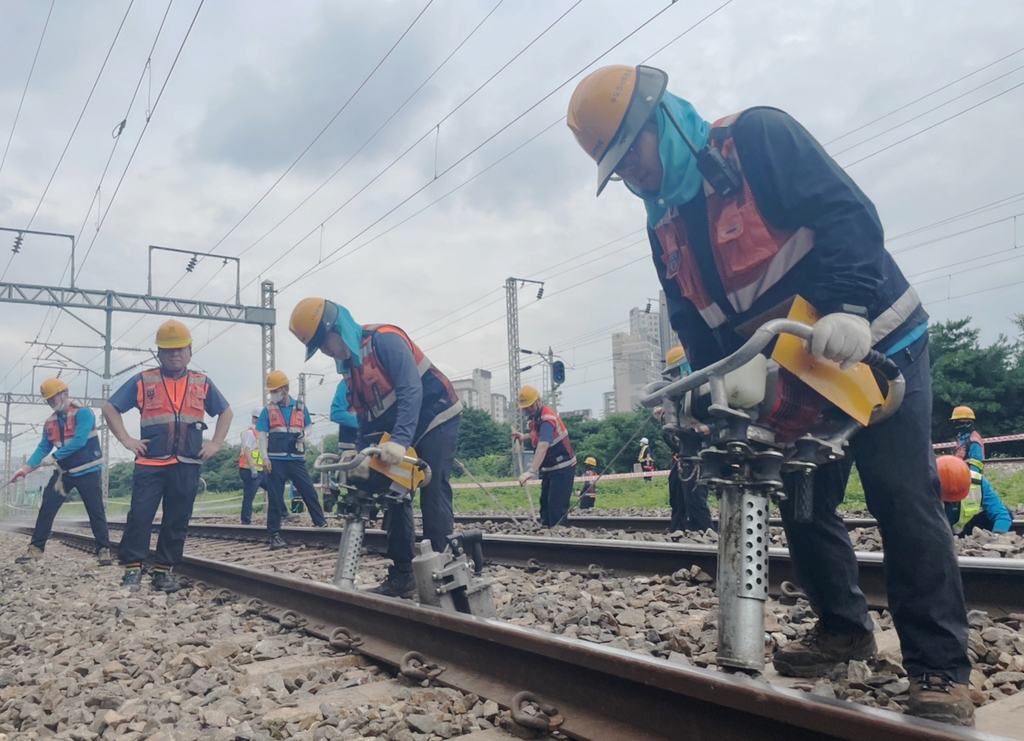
<point>282,429</point>
<point>173,402</point>
<point>553,459</point>
<point>588,494</point>
<point>743,214</point>
<point>70,432</point>
<point>982,507</point>
<point>687,497</point>
<point>392,387</point>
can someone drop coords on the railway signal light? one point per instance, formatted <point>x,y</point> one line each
<point>558,373</point>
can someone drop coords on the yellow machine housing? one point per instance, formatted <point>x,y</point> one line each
<point>404,475</point>
<point>854,390</point>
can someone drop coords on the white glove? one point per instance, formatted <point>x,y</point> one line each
<point>362,471</point>
<point>255,474</point>
<point>48,461</point>
<point>844,338</point>
<point>525,476</point>
<point>391,453</point>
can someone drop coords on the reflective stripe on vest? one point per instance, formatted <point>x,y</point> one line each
<point>561,437</point>
<point>371,392</point>
<point>285,437</point>
<point>88,456</point>
<point>173,433</point>
<point>751,255</point>
<point>257,459</point>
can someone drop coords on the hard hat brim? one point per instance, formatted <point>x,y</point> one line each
<point>326,322</point>
<point>647,94</point>
<point>174,344</point>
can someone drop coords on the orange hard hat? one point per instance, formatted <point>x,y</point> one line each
<point>955,476</point>
<point>51,387</point>
<point>172,335</point>
<point>608,110</point>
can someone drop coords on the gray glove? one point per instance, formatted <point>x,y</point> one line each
<point>844,338</point>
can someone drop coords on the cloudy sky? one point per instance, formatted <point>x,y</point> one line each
<point>442,170</point>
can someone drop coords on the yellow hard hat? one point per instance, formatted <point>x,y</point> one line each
<point>591,461</point>
<point>528,396</point>
<point>312,319</point>
<point>609,108</point>
<point>51,387</point>
<point>172,335</point>
<point>277,379</point>
<point>962,413</point>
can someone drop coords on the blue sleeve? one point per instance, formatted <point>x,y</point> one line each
<point>339,407</point>
<point>42,450</point>
<point>546,433</point>
<point>215,401</point>
<point>306,418</point>
<point>263,423</point>
<point>994,508</point>
<point>977,453</point>
<point>85,423</point>
<point>398,362</point>
<point>126,398</point>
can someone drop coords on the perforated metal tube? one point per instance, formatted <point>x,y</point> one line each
<point>348,553</point>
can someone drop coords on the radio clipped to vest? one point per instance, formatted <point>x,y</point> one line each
<point>715,168</point>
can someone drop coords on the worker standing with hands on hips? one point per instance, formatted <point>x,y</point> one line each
<point>553,458</point>
<point>250,467</point>
<point>282,426</point>
<point>743,215</point>
<point>982,507</point>
<point>392,388</point>
<point>71,433</point>
<point>169,452</point>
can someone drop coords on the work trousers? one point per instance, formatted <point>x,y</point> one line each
<point>897,468</point>
<point>555,495</point>
<point>688,500</point>
<point>176,485</point>
<point>90,488</point>
<point>587,501</point>
<point>982,521</point>
<point>250,486</point>
<point>437,448</point>
<point>294,470</point>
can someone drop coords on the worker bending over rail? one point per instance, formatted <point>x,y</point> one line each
<point>982,506</point>
<point>553,459</point>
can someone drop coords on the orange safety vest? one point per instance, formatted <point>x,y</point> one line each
<point>172,434</point>
<point>89,456</point>
<point>750,254</point>
<point>286,437</point>
<point>371,392</point>
<point>559,454</point>
<point>256,457</point>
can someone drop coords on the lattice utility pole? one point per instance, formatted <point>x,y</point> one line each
<point>514,374</point>
<point>267,303</point>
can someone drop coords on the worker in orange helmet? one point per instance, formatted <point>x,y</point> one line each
<point>743,214</point>
<point>169,451</point>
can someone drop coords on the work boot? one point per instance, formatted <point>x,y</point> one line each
<point>31,554</point>
<point>132,579</point>
<point>818,652</point>
<point>937,698</point>
<point>104,557</point>
<point>398,584</point>
<point>322,524</point>
<point>165,581</point>
<point>276,543</point>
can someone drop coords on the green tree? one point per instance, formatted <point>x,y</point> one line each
<point>479,435</point>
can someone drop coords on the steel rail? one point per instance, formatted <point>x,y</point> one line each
<point>995,585</point>
<point>603,694</point>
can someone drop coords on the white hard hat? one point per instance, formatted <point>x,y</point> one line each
<point>257,411</point>
<point>643,441</point>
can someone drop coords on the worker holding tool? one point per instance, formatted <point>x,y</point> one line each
<point>169,452</point>
<point>687,497</point>
<point>982,507</point>
<point>348,429</point>
<point>250,467</point>
<point>392,388</point>
<point>645,458</point>
<point>743,215</point>
<point>588,494</point>
<point>70,432</point>
<point>553,459</point>
<point>282,428</point>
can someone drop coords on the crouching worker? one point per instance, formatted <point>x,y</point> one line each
<point>71,433</point>
<point>172,401</point>
<point>982,507</point>
<point>393,388</point>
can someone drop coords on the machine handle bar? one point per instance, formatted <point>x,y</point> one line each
<point>332,462</point>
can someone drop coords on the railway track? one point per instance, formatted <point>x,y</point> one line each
<point>601,693</point>
<point>995,585</point>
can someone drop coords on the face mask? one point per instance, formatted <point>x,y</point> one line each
<point>277,396</point>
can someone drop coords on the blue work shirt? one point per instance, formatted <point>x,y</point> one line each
<point>263,426</point>
<point>397,360</point>
<point>85,423</point>
<point>991,504</point>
